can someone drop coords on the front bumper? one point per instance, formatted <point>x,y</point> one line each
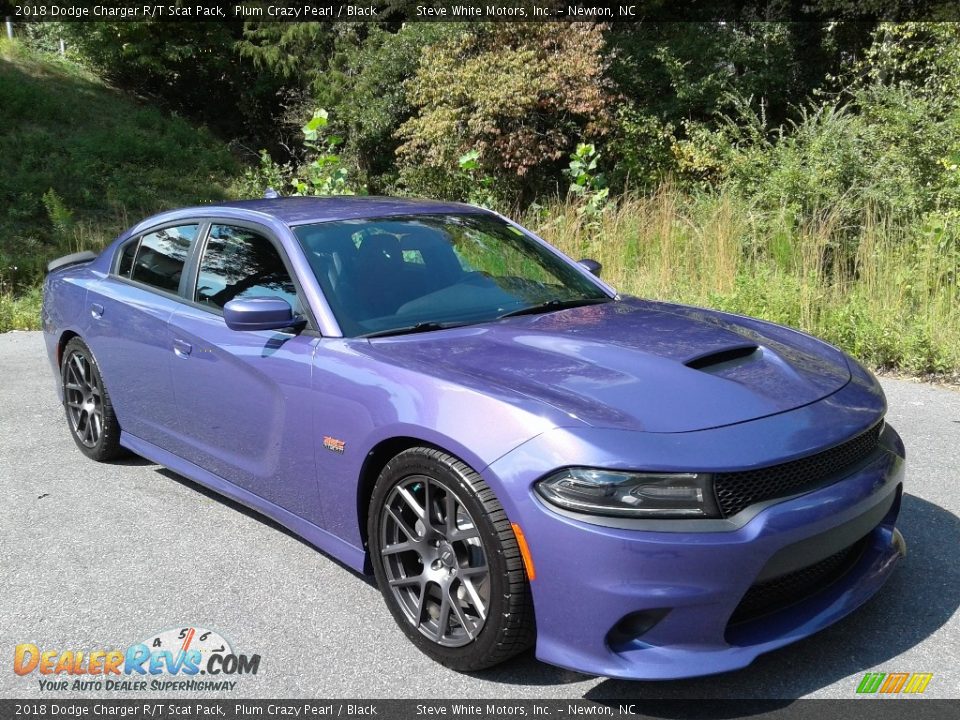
<point>590,577</point>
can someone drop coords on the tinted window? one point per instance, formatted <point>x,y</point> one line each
<point>161,256</point>
<point>240,263</point>
<point>393,273</point>
<point>127,254</point>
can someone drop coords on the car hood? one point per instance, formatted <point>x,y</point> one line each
<point>633,364</point>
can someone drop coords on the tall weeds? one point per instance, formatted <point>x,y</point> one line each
<point>885,289</point>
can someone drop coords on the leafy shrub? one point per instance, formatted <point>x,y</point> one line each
<point>879,148</point>
<point>267,174</point>
<point>920,57</point>
<point>688,71</point>
<point>641,146</point>
<point>521,95</point>
<point>366,93</point>
<point>322,172</point>
<point>588,186</point>
<point>700,156</point>
<point>479,187</point>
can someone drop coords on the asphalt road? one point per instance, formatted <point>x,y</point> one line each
<point>104,556</point>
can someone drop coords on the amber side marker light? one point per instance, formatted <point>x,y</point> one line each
<point>524,552</point>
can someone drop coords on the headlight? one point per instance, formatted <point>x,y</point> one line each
<point>630,494</point>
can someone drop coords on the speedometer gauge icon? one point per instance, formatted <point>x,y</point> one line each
<point>184,639</point>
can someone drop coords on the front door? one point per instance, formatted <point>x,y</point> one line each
<point>244,399</point>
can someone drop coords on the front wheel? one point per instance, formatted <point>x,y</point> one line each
<point>93,424</point>
<point>447,561</point>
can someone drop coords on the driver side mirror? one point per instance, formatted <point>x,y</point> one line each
<point>258,313</point>
<point>590,265</point>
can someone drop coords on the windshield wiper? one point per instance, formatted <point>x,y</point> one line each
<point>553,304</point>
<point>431,325</point>
<point>419,327</point>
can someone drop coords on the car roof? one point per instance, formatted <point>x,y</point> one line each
<point>302,210</point>
<point>294,211</point>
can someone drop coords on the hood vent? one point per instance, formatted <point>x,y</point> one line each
<point>710,360</point>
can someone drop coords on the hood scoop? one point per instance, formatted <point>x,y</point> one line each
<point>629,365</point>
<point>728,356</point>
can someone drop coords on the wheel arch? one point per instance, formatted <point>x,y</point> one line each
<point>65,337</point>
<point>378,457</point>
<point>510,603</point>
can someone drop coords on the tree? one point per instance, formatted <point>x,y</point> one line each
<point>194,68</point>
<point>367,93</point>
<point>521,95</point>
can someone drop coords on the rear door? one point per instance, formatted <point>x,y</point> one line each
<point>243,398</point>
<point>129,334</point>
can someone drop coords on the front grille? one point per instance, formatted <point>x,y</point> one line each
<point>771,595</point>
<point>737,490</point>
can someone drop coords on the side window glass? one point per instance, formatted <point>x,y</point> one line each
<point>241,263</point>
<point>160,258</point>
<point>127,254</point>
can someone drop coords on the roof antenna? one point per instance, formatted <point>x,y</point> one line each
<point>270,193</point>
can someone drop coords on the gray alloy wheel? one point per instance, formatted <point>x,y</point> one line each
<point>447,561</point>
<point>434,562</point>
<point>93,424</point>
<point>83,400</point>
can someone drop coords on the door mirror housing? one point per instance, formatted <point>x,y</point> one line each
<point>258,313</point>
<point>591,265</point>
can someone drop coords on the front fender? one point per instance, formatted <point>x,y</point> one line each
<point>363,402</point>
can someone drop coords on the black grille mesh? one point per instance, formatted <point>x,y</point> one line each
<point>771,595</point>
<point>737,490</point>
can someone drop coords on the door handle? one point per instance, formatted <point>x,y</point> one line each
<point>182,348</point>
<point>96,309</point>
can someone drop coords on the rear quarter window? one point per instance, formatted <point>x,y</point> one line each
<point>127,254</point>
<point>161,256</point>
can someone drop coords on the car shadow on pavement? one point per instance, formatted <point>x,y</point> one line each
<point>131,460</point>
<point>917,601</point>
<point>254,515</point>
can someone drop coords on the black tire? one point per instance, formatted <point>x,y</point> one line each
<point>490,618</point>
<point>90,417</point>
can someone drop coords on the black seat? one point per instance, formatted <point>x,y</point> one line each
<point>377,270</point>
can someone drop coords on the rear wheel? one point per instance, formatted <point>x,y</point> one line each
<point>447,561</point>
<point>93,424</point>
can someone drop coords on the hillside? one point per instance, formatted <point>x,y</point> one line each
<point>80,160</point>
<point>833,224</point>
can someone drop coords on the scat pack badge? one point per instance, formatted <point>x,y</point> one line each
<point>334,445</point>
<point>170,660</point>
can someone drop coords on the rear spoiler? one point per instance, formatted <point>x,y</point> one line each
<point>72,259</point>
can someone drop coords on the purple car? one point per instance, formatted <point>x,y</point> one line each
<point>428,392</point>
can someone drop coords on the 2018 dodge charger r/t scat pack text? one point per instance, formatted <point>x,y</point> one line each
<point>428,392</point>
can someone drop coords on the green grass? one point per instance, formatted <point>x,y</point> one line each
<point>887,291</point>
<point>79,161</point>
<point>21,312</point>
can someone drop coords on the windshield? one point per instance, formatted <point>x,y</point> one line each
<point>424,272</point>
